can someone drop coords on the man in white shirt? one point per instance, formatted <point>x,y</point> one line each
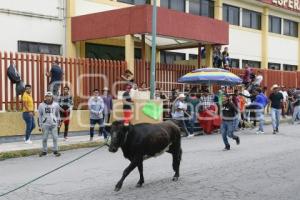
<point>258,79</point>
<point>179,109</point>
<point>285,97</point>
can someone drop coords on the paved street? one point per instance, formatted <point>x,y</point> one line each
<point>262,167</point>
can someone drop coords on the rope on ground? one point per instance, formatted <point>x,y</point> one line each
<point>43,175</point>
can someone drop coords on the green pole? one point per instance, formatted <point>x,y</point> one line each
<point>153,56</point>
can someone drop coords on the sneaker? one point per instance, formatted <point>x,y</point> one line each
<point>56,153</point>
<point>237,141</point>
<point>28,142</point>
<point>43,154</point>
<point>66,139</point>
<point>101,137</point>
<point>190,136</point>
<point>91,139</point>
<point>259,132</point>
<point>227,148</point>
<point>274,132</point>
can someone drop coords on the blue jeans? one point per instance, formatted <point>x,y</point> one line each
<point>93,122</point>
<point>30,124</point>
<point>191,123</point>
<point>227,129</point>
<point>296,113</point>
<point>261,119</point>
<point>275,114</point>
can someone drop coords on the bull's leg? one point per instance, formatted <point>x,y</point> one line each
<point>126,172</point>
<point>176,162</point>
<point>141,181</point>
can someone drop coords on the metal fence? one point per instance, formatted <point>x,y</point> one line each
<point>83,75</point>
<point>80,74</point>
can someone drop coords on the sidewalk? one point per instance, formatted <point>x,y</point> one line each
<point>37,144</point>
<point>76,140</point>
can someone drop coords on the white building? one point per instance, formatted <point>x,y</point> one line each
<point>36,26</point>
<point>263,33</point>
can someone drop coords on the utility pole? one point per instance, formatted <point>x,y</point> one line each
<point>153,56</point>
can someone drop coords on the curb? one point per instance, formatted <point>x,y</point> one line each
<point>36,151</point>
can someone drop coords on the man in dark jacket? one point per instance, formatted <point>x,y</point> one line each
<point>56,75</point>
<point>229,114</point>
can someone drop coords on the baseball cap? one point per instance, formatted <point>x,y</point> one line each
<point>48,94</point>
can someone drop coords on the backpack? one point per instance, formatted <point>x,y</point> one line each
<point>13,74</point>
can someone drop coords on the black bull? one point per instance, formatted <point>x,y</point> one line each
<point>142,141</point>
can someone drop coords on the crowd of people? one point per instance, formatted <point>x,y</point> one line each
<point>227,110</point>
<point>56,108</point>
<point>231,109</point>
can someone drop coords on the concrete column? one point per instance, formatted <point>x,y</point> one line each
<point>157,3</point>
<point>70,46</point>
<point>143,47</point>
<point>264,39</point>
<point>199,55</point>
<point>298,47</point>
<point>157,56</point>
<point>209,55</point>
<point>129,52</point>
<point>187,6</point>
<point>218,9</point>
<point>148,53</point>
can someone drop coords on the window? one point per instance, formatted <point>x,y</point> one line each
<point>234,63</point>
<point>251,19</point>
<point>290,28</point>
<point>231,14</point>
<point>108,52</point>
<point>170,57</point>
<point>135,2</point>
<point>36,47</point>
<point>274,66</point>
<point>290,67</point>
<point>202,7</point>
<point>193,57</point>
<point>173,4</point>
<point>251,63</point>
<point>274,24</point>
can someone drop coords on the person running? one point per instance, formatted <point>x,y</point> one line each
<point>28,113</point>
<point>65,104</point>
<point>296,105</point>
<point>96,107</point>
<point>229,114</point>
<point>49,120</point>
<point>260,101</point>
<point>276,100</point>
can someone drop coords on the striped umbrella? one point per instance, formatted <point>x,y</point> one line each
<point>211,76</point>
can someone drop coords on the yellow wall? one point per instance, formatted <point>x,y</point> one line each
<point>71,50</point>
<point>13,124</point>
